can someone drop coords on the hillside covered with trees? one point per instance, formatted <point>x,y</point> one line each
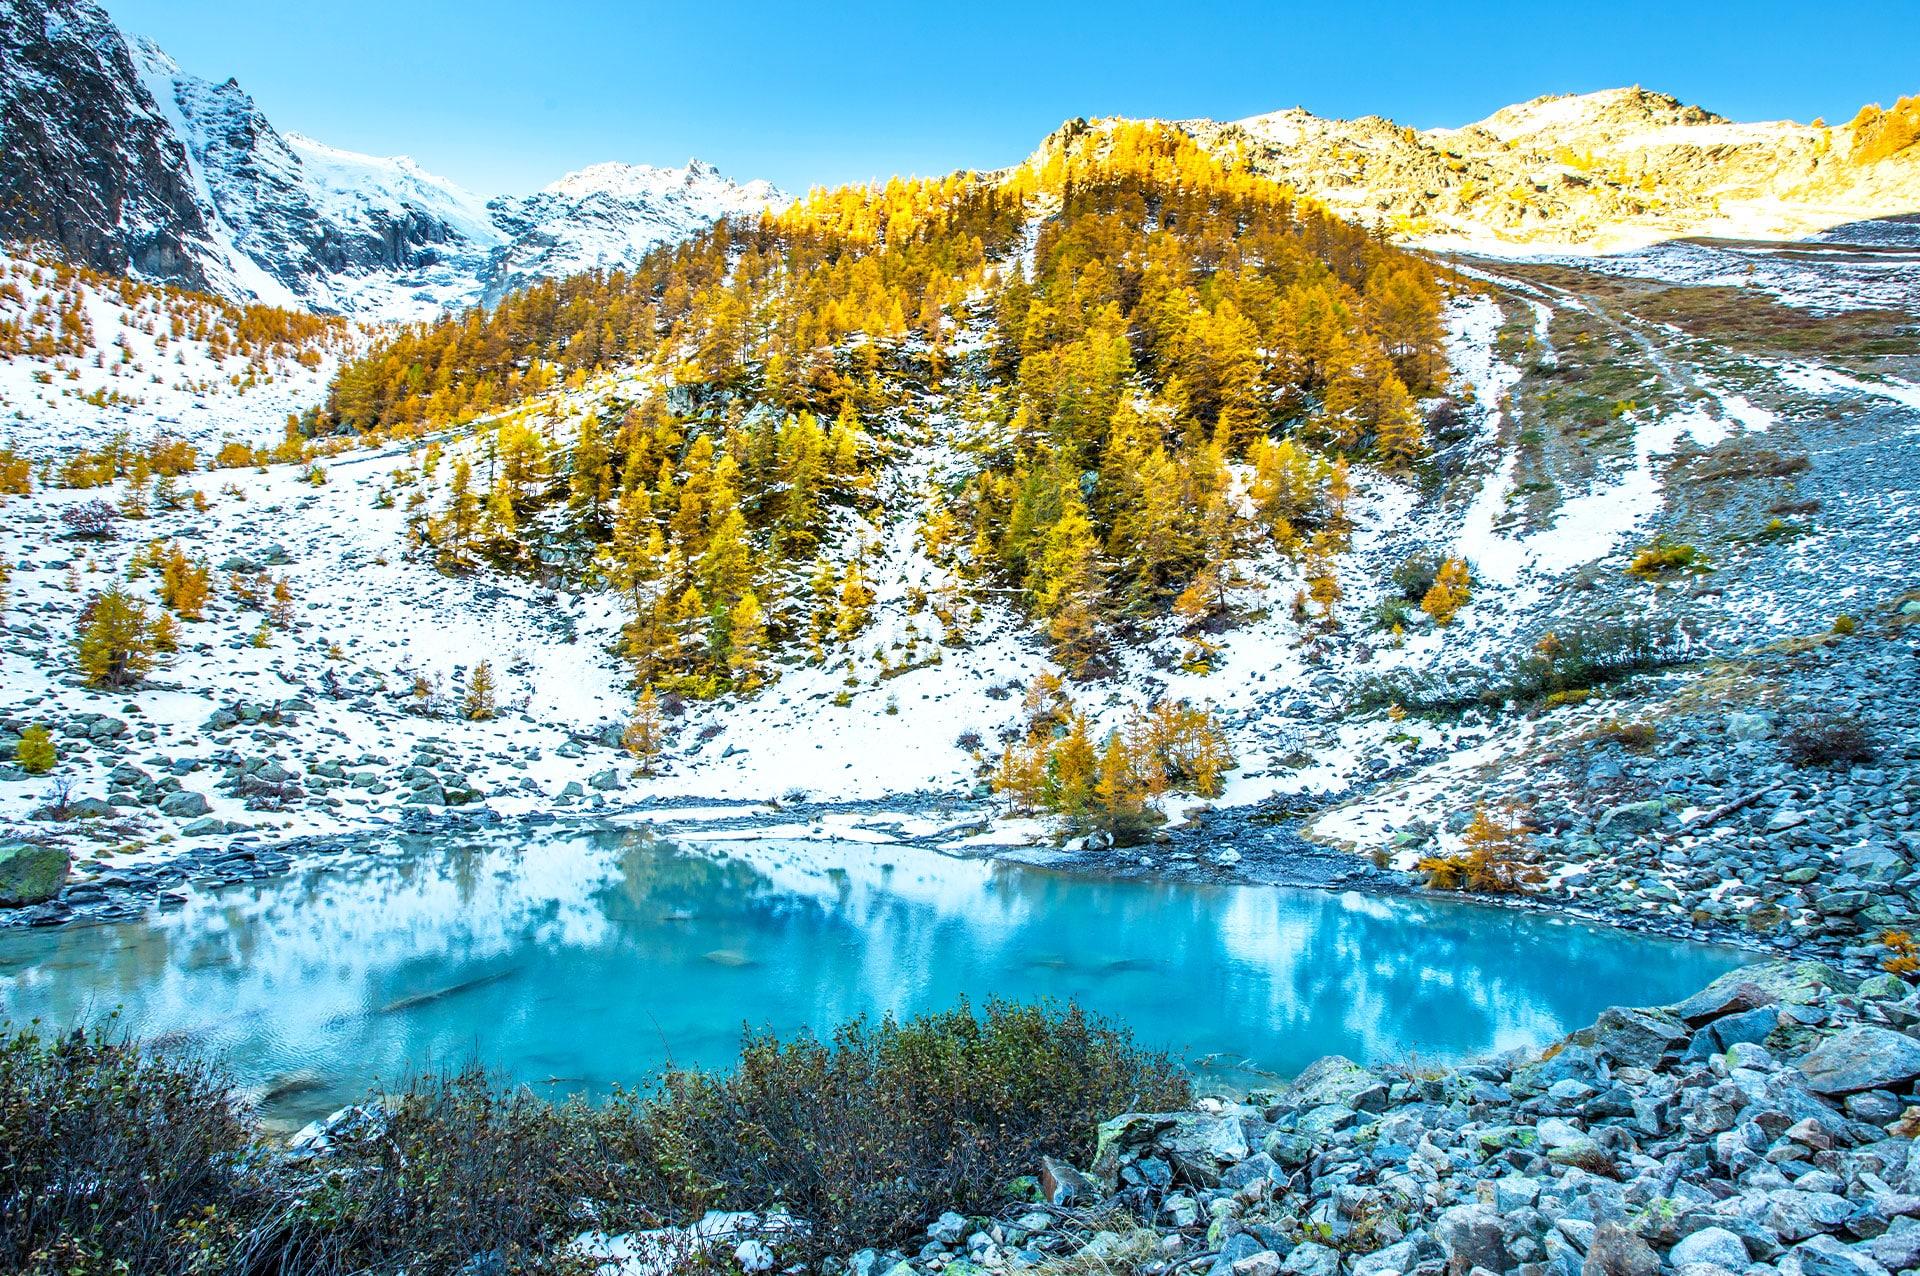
<point>1149,358</point>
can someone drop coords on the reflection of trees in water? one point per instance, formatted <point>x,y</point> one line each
<point>340,939</point>
<point>1282,976</point>
<point>617,940</point>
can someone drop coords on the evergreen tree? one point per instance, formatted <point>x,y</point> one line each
<point>1072,769</point>
<point>280,611</point>
<point>1452,585</point>
<point>590,480</point>
<point>1021,776</point>
<point>1120,794</point>
<point>725,571</point>
<point>645,736</point>
<point>478,705</point>
<point>850,615</point>
<point>35,752</point>
<point>115,639</point>
<point>1070,591</point>
<point>823,591</point>
<point>503,524</point>
<point>746,641</point>
<point>1323,582</point>
<point>1493,856</point>
<point>456,529</point>
<point>1287,484</point>
<point>1399,435</point>
<point>185,585</point>
<point>166,632</point>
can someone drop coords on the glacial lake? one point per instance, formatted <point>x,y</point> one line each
<point>573,960</point>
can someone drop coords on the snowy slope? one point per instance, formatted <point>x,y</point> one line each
<point>905,708</point>
<point>135,375</point>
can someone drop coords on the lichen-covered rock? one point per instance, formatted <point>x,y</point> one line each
<point>30,873</point>
<point>1615,1251</point>
<point>1630,1037</point>
<point>1336,1079</point>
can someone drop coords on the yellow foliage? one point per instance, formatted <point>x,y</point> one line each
<point>1452,586</point>
<point>1493,856</point>
<point>1903,953</point>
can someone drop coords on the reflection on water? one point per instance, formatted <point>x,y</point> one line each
<point>577,960</point>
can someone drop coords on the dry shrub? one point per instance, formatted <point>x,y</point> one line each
<point>871,1136</point>
<point>113,1158</point>
<point>1829,739</point>
<point>1635,737</point>
<point>1742,459</point>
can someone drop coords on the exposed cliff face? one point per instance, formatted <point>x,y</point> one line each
<point>1600,171</point>
<point>91,165</point>
<point>291,228</point>
<point>131,165</point>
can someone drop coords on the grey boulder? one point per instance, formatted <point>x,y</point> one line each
<point>1862,1058</point>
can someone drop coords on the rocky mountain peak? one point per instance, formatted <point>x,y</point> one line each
<point>1614,169</point>
<point>121,160</point>
<point>92,167</point>
<point>1570,118</point>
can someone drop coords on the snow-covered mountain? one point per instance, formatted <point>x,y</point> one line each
<point>87,162</point>
<point>607,215</point>
<point>132,165</point>
<point>1620,168</point>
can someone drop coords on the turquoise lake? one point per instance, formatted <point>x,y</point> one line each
<point>573,960</point>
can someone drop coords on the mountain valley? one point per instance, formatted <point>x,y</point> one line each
<point>1503,533</point>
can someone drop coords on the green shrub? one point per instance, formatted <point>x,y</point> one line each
<point>1844,626</point>
<point>1556,670</point>
<point>453,1167</point>
<point>873,1135</point>
<point>1415,575</point>
<point>118,1162</point>
<point>1635,737</point>
<point>1394,612</point>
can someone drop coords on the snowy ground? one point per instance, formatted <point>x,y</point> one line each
<point>1820,277</point>
<point>141,379</point>
<point>898,713</point>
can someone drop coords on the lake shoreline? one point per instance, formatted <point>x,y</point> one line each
<point>1264,851</point>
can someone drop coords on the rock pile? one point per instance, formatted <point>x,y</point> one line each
<point>1764,1125</point>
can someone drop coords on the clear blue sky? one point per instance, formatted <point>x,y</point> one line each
<point>507,96</point>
